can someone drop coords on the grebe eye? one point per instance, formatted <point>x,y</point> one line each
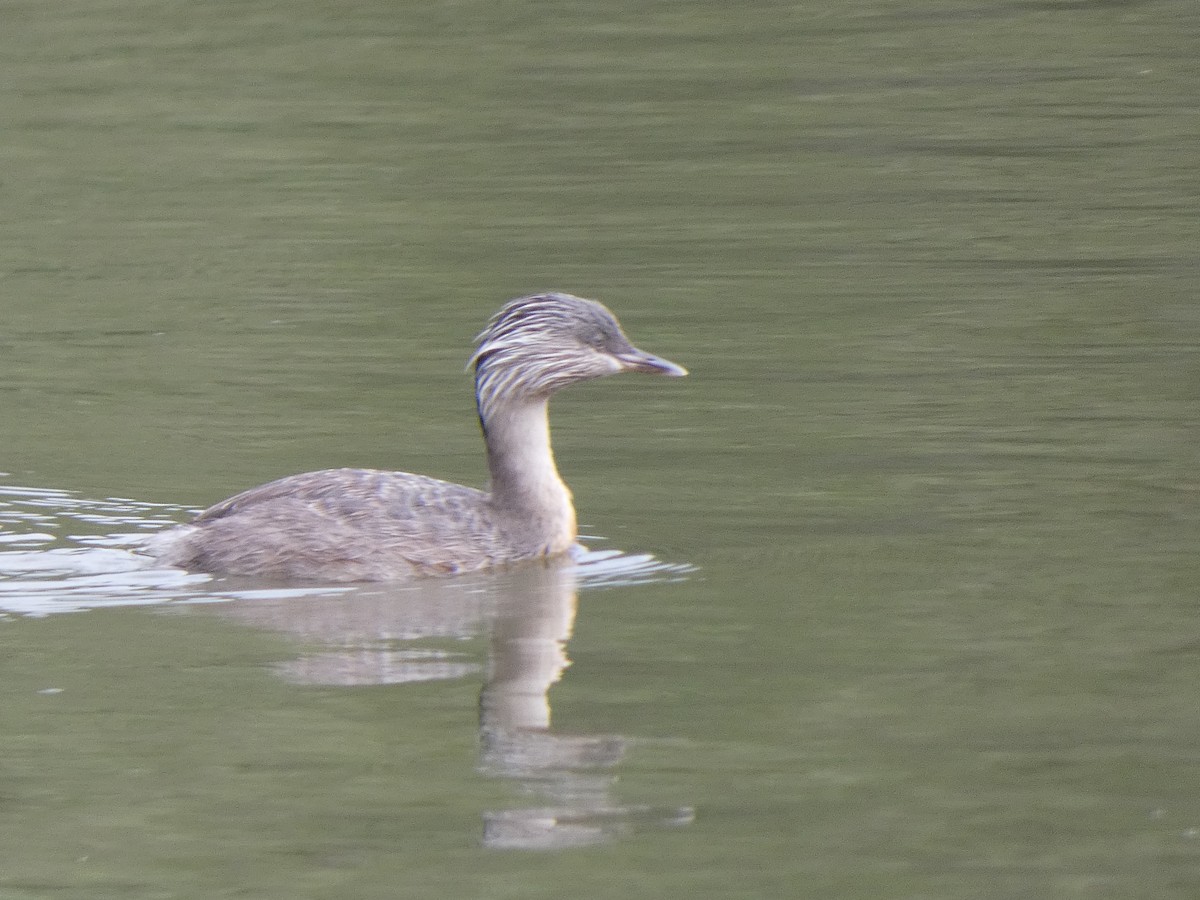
<point>595,338</point>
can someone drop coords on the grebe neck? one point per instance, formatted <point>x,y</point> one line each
<point>524,478</point>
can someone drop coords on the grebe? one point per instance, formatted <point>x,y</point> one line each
<point>371,525</point>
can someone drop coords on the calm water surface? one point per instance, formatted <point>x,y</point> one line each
<point>907,606</point>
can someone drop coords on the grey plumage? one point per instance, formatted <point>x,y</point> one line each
<point>370,525</point>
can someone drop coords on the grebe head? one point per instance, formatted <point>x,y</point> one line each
<point>539,344</point>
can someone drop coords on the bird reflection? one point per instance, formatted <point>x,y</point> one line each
<point>383,634</point>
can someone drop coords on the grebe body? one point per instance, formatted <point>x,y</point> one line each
<point>372,525</point>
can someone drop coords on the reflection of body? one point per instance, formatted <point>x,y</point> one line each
<point>367,525</point>
<point>528,615</point>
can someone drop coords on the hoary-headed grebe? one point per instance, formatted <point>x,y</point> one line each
<point>370,525</point>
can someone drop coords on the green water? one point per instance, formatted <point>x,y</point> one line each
<point>933,268</point>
